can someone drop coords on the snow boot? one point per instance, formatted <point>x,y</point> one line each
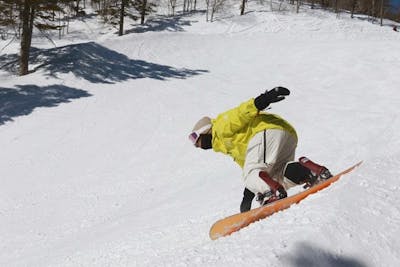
<point>248,197</point>
<point>276,192</point>
<point>299,174</point>
<point>321,172</point>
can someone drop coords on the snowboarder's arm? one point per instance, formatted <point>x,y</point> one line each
<point>275,95</point>
<point>233,120</point>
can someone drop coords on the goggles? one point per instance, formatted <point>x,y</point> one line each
<point>194,136</point>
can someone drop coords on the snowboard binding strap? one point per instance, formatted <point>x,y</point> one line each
<point>277,191</point>
<point>321,172</point>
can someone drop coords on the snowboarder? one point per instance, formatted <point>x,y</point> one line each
<point>263,144</point>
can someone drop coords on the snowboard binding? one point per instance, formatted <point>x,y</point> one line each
<point>276,192</point>
<point>271,196</point>
<point>321,172</point>
<point>306,172</point>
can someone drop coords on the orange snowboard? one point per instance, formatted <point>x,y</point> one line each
<point>238,221</point>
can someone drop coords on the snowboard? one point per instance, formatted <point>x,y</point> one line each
<point>238,221</point>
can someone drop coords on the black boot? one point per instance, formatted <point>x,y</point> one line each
<point>299,174</point>
<point>248,197</point>
<point>321,172</point>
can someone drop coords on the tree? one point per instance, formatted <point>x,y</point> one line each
<point>213,6</point>
<point>7,13</point>
<point>312,4</point>
<point>109,10</point>
<point>336,6</point>
<point>242,7</point>
<point>114,11</point>
<point>8,18</point>
<point>121,17</point>
<point>27,14</point>
<point>172,6</point>
<point>144,7</point>
<point>353,7</point>
<point>382,10</point>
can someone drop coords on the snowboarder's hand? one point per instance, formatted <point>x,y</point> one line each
<point>275,95</point>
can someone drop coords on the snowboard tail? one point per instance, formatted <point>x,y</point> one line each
<point>238,221</point>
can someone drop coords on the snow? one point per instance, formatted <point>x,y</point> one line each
<point>96,168</point>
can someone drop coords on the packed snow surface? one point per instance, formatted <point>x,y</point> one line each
<point>96,168</point>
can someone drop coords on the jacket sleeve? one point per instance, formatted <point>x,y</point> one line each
<point>234,120</point>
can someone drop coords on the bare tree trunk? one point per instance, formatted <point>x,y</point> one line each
<point>381,11</point>
<point>212,11</point>
<point>31,19</point>
<point>353,7</point>
<point>242,7</point>
<point>172,4</point>
<point>207,9</point>
<point>373,10</point>
<point>68,21</point>
<point>143,12</point>
<point>27,19</point>
<point>77,7</point>
<point>121,18</point>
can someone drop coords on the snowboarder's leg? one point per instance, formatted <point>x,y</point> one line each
<point>305,171</point>
<point>268,151</point>
<point>298,174</point>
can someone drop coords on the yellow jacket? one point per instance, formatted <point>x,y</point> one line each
<point>233,129</point>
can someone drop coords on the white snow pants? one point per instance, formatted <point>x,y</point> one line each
<point>268,151</point>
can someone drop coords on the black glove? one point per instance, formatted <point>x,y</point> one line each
<point>277,94</point>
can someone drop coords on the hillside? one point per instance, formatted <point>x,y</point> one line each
<point>96,168</point>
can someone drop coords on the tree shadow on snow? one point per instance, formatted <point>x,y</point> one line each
<point>96,64</point>
<point>163,23</point>
<point>306,255</point>
<point>23,99</point>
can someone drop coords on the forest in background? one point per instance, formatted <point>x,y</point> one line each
<point>18,19</point>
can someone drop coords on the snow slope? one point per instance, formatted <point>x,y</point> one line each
<point>96,168</point>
